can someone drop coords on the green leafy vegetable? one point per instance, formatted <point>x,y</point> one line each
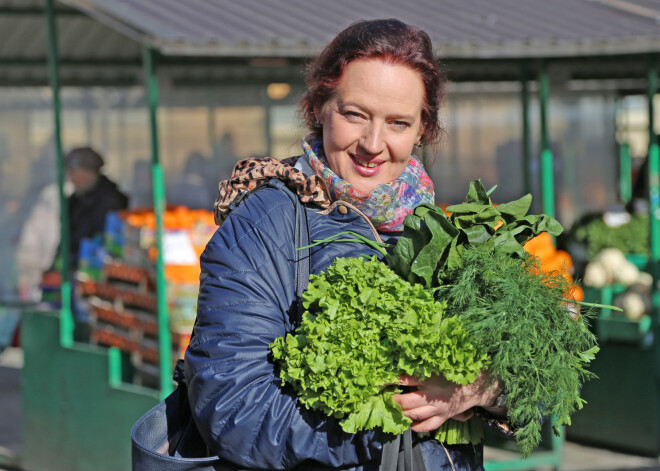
<point>380,325</point>
<point>631,237</point>
<point>475,261</point>
<point>364,327</point>
<point>432,244</point>
<point>539,352</point>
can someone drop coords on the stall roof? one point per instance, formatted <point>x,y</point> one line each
<point>100,41</point>
<point>460,29</point>
<point>91,52</point>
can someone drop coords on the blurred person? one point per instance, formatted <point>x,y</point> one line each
<point>40,231</point>
<point>142,187</point>
<point>224,158</point>
<point>192,190</point>
<point>93,197</point>
<point>38,241</point>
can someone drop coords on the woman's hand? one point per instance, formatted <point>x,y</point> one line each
<point>437,399</point>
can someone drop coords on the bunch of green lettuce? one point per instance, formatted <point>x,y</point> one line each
<point>364,327</point>
<point>474,265</point>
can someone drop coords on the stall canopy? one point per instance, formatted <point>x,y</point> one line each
<point>100,40</point>
<point>91,53</point>
<point>469,29</point>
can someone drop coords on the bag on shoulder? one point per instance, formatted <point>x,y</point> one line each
<point>166,439</point>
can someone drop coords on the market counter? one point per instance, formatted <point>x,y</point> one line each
<point>73,418</point>
<point>623,403</point>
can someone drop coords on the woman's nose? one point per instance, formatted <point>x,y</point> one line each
<point>372,140</point>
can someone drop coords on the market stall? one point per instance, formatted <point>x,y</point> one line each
<point>624,405</point>
<point>136,318</point>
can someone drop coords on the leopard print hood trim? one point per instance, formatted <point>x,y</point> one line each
<point>250,173</point>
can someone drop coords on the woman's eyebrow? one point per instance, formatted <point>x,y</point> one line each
<point>403,116</point>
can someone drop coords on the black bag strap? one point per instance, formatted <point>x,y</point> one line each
<point>407,459</point>
<point>390,457</point>
<point>302,256</point>
<point>301,239</point>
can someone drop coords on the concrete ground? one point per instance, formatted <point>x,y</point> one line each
<point>576,457</point>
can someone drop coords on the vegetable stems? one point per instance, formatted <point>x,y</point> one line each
<point>378,246</point>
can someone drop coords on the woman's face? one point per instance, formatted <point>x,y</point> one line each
<point>372,122</point>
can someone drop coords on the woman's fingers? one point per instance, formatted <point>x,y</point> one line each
<point>435,421</point>
<point>411,400</point>
<point>406,380</point>
<point>464,416</point>
<point>428,425</point>
<point>420,414</point>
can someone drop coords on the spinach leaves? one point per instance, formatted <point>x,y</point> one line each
<point>433,244</point>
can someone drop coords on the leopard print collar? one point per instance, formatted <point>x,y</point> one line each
<point>250,173</point>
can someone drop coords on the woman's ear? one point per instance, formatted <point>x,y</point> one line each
<point>422,128</point>
<point>318,115</point>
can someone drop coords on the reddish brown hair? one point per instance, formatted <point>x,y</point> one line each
<point>390,40</point>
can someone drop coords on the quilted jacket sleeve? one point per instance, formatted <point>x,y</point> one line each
<point>246,301</point>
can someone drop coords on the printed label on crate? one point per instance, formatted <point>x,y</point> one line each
<point>178,249</point>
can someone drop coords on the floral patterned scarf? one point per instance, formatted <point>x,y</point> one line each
<point>389,203</point>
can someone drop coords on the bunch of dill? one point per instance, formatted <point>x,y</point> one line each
<point>539,347</point>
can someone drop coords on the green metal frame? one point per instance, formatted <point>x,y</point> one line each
<point>66,314</point>
<point>76,404</point>
<point>625,173</point>
<point>164,334</point>
<point>547,171</point>
<point>627,368</point>
<point>526,135</point>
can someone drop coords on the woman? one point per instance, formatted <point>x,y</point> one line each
<point>373,96</point>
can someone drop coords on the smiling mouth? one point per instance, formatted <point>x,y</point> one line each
<point>368,163</point>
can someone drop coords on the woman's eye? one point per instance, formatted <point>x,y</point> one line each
<point>401,124</point>
<point>352,115</point>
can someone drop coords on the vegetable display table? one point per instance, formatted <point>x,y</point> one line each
<point>623,403</point>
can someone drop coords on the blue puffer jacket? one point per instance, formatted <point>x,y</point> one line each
<point>246,301</point>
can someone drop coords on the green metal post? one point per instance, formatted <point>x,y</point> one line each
<point>654,188</point>
<point>654,191</point>
<point>526,152</point>
<point>66,315</point>
<point>114,367</point>
<point>625,172</point>
<point>547,172</point>
<point>164,334</point>
<point>654,165</point>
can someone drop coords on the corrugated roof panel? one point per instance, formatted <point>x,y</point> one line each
<point>298,28</point>
<point>23,37</point>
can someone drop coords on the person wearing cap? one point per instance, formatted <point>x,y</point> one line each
<point>94,196</point>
